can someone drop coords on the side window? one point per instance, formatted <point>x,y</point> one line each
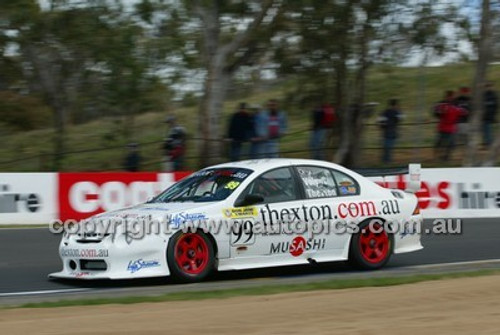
<point>318,182</point>
<point>275,186</point>
<point>347,185</point>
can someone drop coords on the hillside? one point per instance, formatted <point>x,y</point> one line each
<point>100,145</point>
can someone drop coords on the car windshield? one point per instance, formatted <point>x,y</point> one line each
<point>205,185</point>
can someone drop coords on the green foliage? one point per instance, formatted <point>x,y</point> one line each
<point>90,61</point>
<point>332,34</point>
<point>384,82</point>
<point>23,113</point>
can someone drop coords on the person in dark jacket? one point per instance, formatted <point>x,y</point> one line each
<point>241,130</point>
<point>174,145</point>
<point>389,121</point>
<point>490,112</point>
<point>133,158</point>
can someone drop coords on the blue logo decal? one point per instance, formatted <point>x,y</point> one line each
<point>407,231</point>
<point>180,218</point>
<point>134,266</point>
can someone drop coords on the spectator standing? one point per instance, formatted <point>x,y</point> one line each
<point>388,121</point>
<point>448,114</point>
<point>318,133</point>
<point>132,159</point>
<point>463,101</point>
<point>272,124</point>
<point>323,118</point>
<point>256,137</point>
<point>174,145</point>
<point>241,130</point>
<point>490,111</point>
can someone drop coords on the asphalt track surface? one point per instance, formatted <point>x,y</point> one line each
<point>27,256</point>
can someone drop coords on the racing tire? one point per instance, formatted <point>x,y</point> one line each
<point>371,247</point>
<point>190,257</point>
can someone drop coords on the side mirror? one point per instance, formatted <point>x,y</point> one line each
<point>249,199</point>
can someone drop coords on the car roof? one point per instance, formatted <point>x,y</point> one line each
<point>261,165</point>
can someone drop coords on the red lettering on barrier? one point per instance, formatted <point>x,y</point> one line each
<point>82,195</point>
<point>441,190</point>
<point>429,195</point>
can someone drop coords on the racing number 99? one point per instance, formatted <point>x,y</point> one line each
<point>242,232</point>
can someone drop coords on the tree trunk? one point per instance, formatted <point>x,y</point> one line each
<point>352,119</point>
<point>358,113</point>
<point>59,138</point>
<point>494,152</point>
<point>484,53</point>
<point>344,113</point>
<point>210,115</point>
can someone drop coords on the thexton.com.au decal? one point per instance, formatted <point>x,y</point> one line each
<point>343,210</point>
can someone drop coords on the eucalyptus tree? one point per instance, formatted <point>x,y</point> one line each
<point>85,59</point>
<point>338,42</point>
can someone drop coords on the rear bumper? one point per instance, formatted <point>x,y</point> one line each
<point>408,237</point>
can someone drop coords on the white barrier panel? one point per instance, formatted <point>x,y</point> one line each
<point>455,192</point>
<point>38,198</point>
<point>28,198</point>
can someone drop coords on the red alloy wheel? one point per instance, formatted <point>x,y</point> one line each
<point>191,254</point>
<point>374,247</point>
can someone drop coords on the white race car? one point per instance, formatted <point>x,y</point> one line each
<point>249,214</point>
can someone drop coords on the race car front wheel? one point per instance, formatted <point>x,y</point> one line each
<point>371,247</point>
<point>190,256</point>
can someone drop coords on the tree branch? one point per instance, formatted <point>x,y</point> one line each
<point>241,60</point>
<point>251,49</point>
<point>243,38</point>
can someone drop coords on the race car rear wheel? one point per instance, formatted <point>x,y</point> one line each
<point>371,247</point>
<point>190,256</point>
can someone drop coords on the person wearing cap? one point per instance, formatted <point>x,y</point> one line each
<point>240,131</point>
<point>174,145</point>
<point>132,159</point>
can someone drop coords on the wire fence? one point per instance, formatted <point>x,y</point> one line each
<point>153,156</point>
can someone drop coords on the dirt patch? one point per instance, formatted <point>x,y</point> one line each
<point>456,306</point>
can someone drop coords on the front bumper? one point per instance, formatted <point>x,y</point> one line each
<point>112,258</point>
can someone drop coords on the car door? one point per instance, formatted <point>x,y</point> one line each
<point>270,219</point>
<point>325,190</point>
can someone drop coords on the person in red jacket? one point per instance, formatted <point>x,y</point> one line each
<point>449,114</point>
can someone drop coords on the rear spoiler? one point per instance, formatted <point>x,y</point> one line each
<point>413,183</point>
